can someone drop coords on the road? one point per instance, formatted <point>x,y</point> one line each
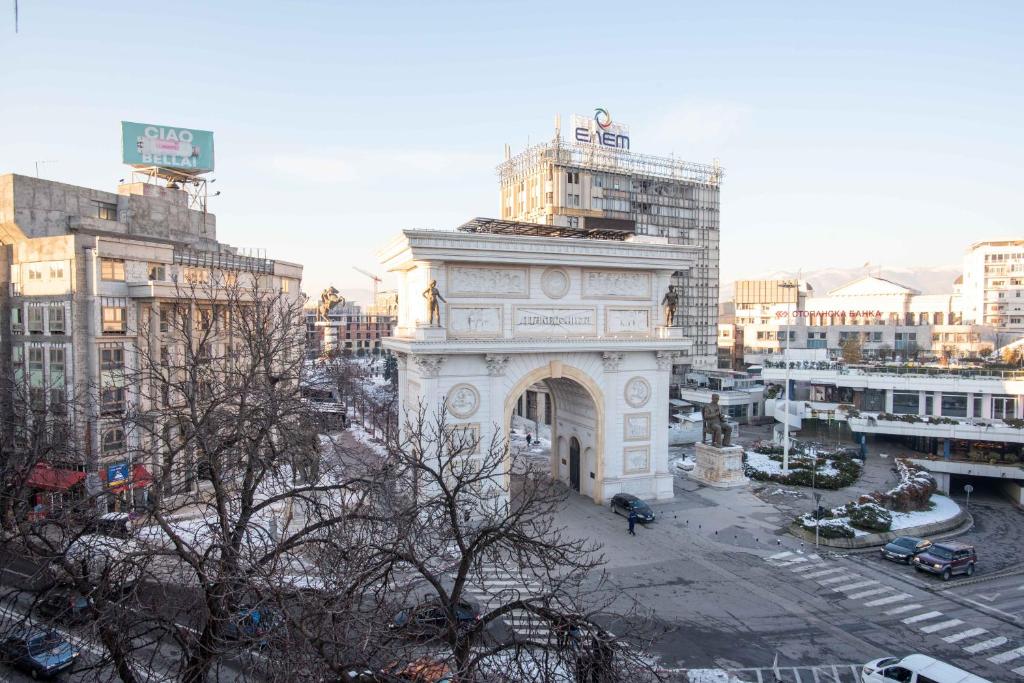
<point>737,594</point>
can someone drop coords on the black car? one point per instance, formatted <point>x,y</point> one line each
<point>64,605</point>
<point>624,503</point>
<point>904,548</point>
<point>40,652</point>
<point>429,617</point>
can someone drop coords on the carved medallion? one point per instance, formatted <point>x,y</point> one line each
<point>638,392</point>
<point>463,400</point>
<point>555,283</point>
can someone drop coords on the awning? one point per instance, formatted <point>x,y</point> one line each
<point>140,479</point>
<point>46,477</point>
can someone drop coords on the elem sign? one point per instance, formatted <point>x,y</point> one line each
<point>600,130</point>
<point>182,149</point>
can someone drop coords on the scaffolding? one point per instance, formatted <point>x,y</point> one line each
<point>595,157</point>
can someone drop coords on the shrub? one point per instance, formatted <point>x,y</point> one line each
<point>870,517</point>
<point>913,493</point>
<point>827,528</point>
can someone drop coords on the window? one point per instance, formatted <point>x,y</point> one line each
<point>106,211</point>
<point>35,273</point>
<point>197,276</point>
<point>111,358</point>
<point>113,440</point>
<point>285,285</point>
<point>572,177</point>
<point>954,405</point>
<point>157,272</point>
<point>57,380</point>
<point>35,319</point>
<point>1003,407</point>
<point>204,318</point>
<point>57,319</point>
<point>111,401</point>
<point>112,269</point>
<point>17,321</point>
<point>905,402</point>
<point>114,319</point>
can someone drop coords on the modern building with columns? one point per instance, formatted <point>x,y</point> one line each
<point>964,422</point>
<point>576,310</point>
<point>88,276</point>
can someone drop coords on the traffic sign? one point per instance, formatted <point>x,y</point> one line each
<point>968,488</point>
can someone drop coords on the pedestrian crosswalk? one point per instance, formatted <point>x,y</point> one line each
<point>496,586</point>
<point>848,585</point>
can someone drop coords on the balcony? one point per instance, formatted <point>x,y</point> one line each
<point>973,429</point>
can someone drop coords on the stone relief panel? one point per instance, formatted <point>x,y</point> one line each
<point>465,439</point>
<point>541,321</point>
<point>487,281</point>
<point>638,392</point>
<point>616,284</point>
<point>636,459</point>
<point>636,427</point>
<point>623,321</point>
<point>555,283</point>
<point>463,400</point>
<point>474,321</point>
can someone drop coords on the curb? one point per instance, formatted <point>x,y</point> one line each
<point>871,541</point>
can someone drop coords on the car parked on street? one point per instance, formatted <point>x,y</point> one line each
<point>946,559</point>
<point>254,624</point>
<point>624,503</point>
<point>904,548</point>
<point>915,669</point>
<point>40,652</point>
<point>64,605</point>
<point>428,618</point>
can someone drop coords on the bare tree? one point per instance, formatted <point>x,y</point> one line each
<point>472,518</point>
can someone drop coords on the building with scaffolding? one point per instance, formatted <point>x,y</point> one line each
<point>88,277</point>
<point>593,182</point>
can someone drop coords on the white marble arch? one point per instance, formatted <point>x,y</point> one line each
<point>598,369</point>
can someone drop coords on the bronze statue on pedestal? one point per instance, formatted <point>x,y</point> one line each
<point>433,296</point>
<point>329,298</point>
<point>715,424</point>
<point>670,301</point>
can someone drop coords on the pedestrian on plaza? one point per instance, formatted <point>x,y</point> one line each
<point>632,522</point>
<point>529,439</point>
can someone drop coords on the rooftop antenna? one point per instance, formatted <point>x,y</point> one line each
<point>41,161</point>
<point>558,126</point>
<point>15,16</point>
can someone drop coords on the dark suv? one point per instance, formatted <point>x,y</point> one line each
<point>946,559</point>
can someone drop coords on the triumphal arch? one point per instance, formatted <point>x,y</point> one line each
<point>490,309</point>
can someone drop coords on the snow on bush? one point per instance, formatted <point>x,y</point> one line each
<point>913,492</point>
<point>827,528</point>
<point>869,517</point>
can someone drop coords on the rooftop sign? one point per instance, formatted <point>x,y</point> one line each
<point>182,149</point>
<point>600,130</point>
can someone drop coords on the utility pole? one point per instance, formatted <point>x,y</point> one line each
<point>785,424</point>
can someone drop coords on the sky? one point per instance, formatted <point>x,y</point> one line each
<point>884,132</point>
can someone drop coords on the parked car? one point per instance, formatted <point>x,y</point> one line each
<point>64,605</point>
<point>38,651</point>
<point>947,559</point>
<point>915,669</point>
<point>904,548</point>
<point>623,503</point>
<point>116,524</point>
<point>254,624</point>
<point>427,618</point>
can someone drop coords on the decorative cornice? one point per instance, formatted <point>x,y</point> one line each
<point>666,359</point>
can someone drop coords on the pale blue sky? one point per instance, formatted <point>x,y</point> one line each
<point>851,132</point>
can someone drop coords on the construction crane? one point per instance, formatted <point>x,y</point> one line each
<point>376,281</point>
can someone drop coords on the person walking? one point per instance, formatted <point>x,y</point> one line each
<point>632,522</point>
<point>529,439</point>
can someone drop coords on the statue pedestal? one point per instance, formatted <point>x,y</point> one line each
<point>669,332</point>
<point>720,467</point>
<point>425,332</point>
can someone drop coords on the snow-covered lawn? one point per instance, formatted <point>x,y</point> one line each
<point>943,508</point>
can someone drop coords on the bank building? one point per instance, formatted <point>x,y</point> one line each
<point>489,310</point>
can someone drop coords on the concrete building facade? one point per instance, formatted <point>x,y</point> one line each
<point>992,285</point>
<point>588,185</point>
<point>88,278</point>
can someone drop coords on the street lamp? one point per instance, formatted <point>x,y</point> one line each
<point>817,517</point>
<point>785,424</point>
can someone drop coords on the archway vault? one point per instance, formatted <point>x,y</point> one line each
<point>556,370</point>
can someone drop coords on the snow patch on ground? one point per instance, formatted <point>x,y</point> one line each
<point>363,437</point>
<point>710,676</point>
<point>943,508</point>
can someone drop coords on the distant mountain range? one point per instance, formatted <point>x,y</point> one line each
<point>928,280</point>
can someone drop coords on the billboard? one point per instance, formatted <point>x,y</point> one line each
<point>183,149</point>
<point>117,475</point>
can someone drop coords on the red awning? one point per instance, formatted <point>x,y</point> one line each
<point>140,479</point>
<point>46,477</point>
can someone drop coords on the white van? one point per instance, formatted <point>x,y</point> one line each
<point>916,669</point>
